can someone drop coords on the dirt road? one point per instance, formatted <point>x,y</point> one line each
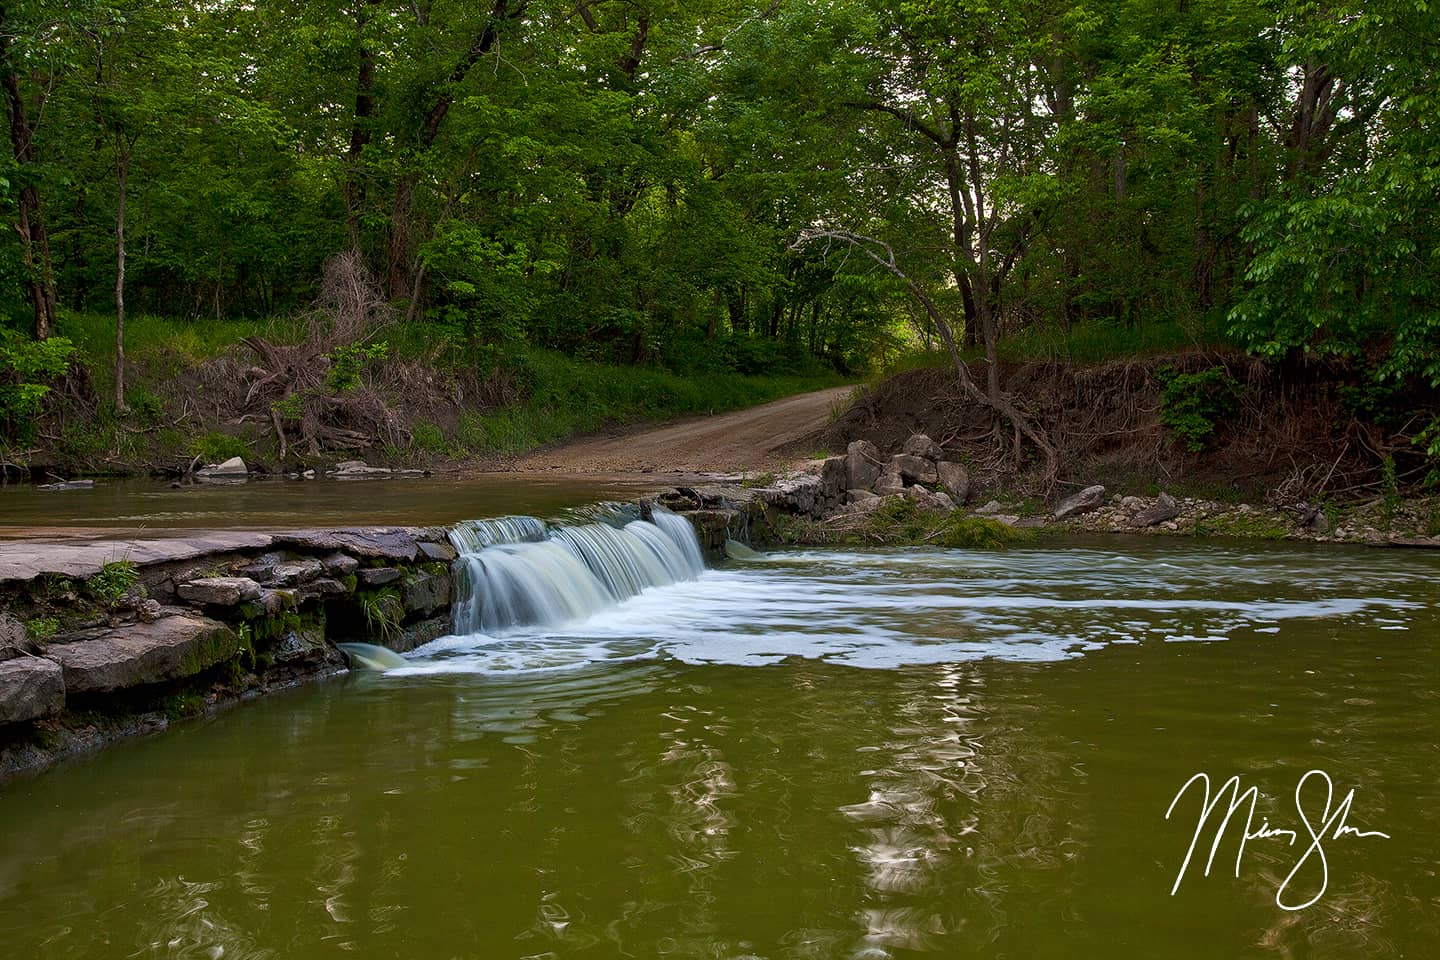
<point>755,439</point>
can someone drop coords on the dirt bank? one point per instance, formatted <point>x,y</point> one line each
<point>760,438</point>
<point>1266,432</point>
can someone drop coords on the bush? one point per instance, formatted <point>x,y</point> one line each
<point>217,447</point>
<point>25,365</point>
<point>1191,403</point>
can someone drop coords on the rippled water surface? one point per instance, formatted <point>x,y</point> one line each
<point>817,755</point>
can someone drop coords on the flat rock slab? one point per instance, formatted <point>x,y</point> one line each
<point>388,543</point>
<point>220,591</point>
<point>139,653</point>
<point>30,688</point>
<point>28,559</point>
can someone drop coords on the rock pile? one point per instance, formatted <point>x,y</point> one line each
<point>921,471</point>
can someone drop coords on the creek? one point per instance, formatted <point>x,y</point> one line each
<point>815,754</point>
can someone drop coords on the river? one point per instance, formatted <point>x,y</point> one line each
<point>817,754</point>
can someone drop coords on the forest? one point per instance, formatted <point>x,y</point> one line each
<point>781,188</point>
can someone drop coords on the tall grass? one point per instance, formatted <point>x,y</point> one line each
<point>567,397</point>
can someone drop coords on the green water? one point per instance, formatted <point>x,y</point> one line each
<point>822,755</point>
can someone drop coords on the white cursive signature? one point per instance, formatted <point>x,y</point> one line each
<point>1331,826</point>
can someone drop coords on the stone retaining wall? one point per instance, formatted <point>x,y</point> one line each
<point>100,637</point>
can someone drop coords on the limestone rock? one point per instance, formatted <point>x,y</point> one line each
<point>359,468</point>
<point>303,646</point>
<point>141,653</point>
<point>234,467</point>
<point>1131,505</point>
<point>955,479</point>
<point>890,482</point>
<point>930,502</point>
<point>425,593</point>
<point>339,564</point>
<point>920,445</point>
<point>860,496</point>
<point>14,640</point>
<point>294,572</point>
<point>420,633</point>
<point>322,587</point>
<point>219,591</point>
<point>1163,509</point>
<point>377,576</point>
<point>833,474</point>
<point>1086,500</point>
<point>437,551</point>
<point>990,509</point>
<point>30,688</point>
<point>863,465</point>
<point>386,543</point>
<point>915,469</point>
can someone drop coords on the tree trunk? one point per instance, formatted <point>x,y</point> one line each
<point>359,128</point>
<point>122,173</point>
<point>30,223</point>
<point>398,277</point>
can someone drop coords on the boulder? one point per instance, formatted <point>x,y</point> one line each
<point>1131,505</point>
<point>1086,500</point>
<point>437,551</point>
<point>928,501</point>
<point>219,591</point>
<point>863,465</point>
<point>234,467</point>
<point>1165,508</point>
<point>30,688</point>
<point>322,587</point>
<point>915,469</point>
<point>339,564</point>
<point>377,576</point>
<point>140,653</point>
<point>860,496</point>
<point>833,477</point>
<point>425,593</point>
<point>303,646</point>
<point>955,479</point>
<point>990,509</point>
<point>919,445</point>
<point>890,482</point>
<point>14,639</point>
<point>295,571</point>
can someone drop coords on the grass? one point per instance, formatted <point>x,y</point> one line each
<point>1092,341</point>
<point>570,397</point>
<point>562,397</point>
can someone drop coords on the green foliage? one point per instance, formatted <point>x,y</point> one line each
<point>349,361</point>
<point>41,629</point>
<point>384,612</point>
<point>217,447</point>
<point>1192,403</point>
<point>25,365</point>
<point>899,521</point>
<point>114,580</point>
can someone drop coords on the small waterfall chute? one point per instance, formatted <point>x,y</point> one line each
<point>736,550</point>
<point>521,571</point>
<point>368,656</point>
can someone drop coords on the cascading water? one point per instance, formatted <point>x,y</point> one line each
<point>522,571</point>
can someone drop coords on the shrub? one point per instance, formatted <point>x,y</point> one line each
<point>1191,403</point>
<point>24,366</point>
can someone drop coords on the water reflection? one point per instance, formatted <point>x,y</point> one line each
<point>967,807</point>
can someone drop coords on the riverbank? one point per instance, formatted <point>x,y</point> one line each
<point>288,396</point>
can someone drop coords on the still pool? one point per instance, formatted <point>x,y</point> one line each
<point>816,755</point>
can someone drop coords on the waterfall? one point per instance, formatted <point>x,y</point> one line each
<point>523,571</point>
